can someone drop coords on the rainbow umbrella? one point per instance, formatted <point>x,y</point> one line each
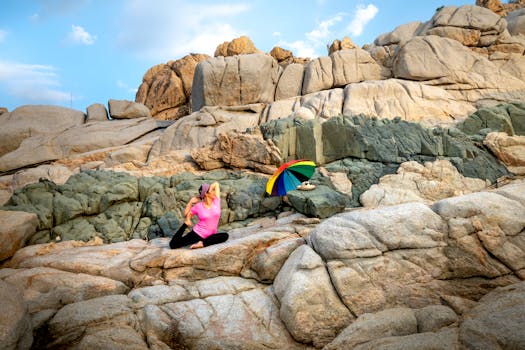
<point>289,176</point>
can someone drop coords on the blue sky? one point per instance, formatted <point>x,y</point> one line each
<point>77,52</point>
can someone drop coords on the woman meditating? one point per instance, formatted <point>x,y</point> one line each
<point>207,207</point>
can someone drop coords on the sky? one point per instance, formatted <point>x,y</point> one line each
<point>74,53</point>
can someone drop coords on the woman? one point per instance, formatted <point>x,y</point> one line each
<point>207,207</point>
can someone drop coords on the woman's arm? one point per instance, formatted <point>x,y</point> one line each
<point>215,189</point>
<point>187,210</point>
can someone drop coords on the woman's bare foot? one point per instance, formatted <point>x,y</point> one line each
<point>197,245</point>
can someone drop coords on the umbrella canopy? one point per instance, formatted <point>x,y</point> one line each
<point>289,176</point>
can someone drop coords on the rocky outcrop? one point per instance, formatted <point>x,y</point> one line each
<point>509,149</point>
<point>239,46</point>
<point>31,120</point>
<point>345,44</point>
<point>122,109</point>
<point>440,68</point>
<point>96,112</point>
<point>500,8</point>
<point>16,228</point>
<point>410,276</point>
<point>235,81</point>
<point>81,138</point>
<point>166,88</point>
<point>426,183</point>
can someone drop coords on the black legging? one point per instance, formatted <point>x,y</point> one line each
<point>178,240</point>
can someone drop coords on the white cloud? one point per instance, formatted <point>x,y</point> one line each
<point>315,40</point>
<point>124,86</point>
<point>34,17</point>
<point>323,30</point>
<point>362,16</point>
<point>78,35</point>
<point>175,28</point>
<point>32,82</point>
<point>276,33</point>
<point>3,35</point>
<point>300,48</point>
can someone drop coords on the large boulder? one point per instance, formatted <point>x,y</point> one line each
<point>235,81</point>
<point>468,21</point>
<point>123,109</point>
<point>339,69</point>
<point>309,306</point>
<point>516,22</point>
<point>75,140</point>
<point>463,73</point>
<point>495,323</point>
<point>33,120</point>
<point>16,228</point>
<point>509,149</point>
<point>166,88</point>
<point>410,100</point>
<point>416,182</point>
<point>15,324</point>
<point>238,46</point>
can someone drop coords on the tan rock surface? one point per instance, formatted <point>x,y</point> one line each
<point>235,81</point>
<point>426,183</point>
<point>15,324</point>
<point>166,88</point>
<point>409,100</point>
<point>16,227</point>
<point>32,120</point>
<point>76,140</point>
<point>509,149</point>
<point>238,46</point>
<point>466,75</point>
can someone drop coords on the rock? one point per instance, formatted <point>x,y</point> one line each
<point>339,69</point>
<point>509,149</point>
<point>364,234</point>
<point>34,120</point>
<point>166,88</point>
<point>344,44</point>
<point>47,288</point>
<point>15,324</point>
<point>290,83</point>
<point>434,317</point>
<point>122,109</point>
<point>451,65</point>
<point>399,35</point>
<point>409,100</point>
<point>496,321</point>
<point>16,228</point>
<point>238,46</point>
<point>368,327</point>
<point>104,321</point>
<point>516,22</point>
<point>201,128</point>
<point>514,191</point>
<point>415,182</point>
<point>281,54</point>
<point>495,225</point>
<point>96,112</point>
<point>446,339</point>
<point>245,151</point>
<point>493,5</point>
<point>76,140</point>
<point>318,315</point>
<point>322,202</point>
<point>235,81</point>
<point>3,110</point>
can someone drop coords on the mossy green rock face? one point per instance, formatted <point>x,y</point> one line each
<point>118,207</point>
<point>509,118</point>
